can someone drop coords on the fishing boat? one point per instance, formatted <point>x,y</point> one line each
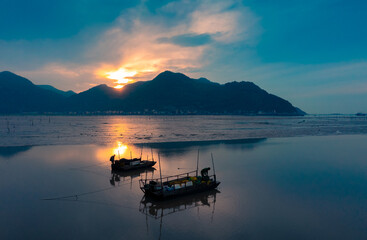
<point>181,184</point>
<point>124,164</point>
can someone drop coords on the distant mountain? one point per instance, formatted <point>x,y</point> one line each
<point>98,98</point>
<point>19,95</point>
<point>168,93</point>
<point>63,93</point>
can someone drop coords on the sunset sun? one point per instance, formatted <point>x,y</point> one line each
<point>121,76</point>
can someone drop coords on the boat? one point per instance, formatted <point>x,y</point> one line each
<point>178,185</point>
<point>124,164</point>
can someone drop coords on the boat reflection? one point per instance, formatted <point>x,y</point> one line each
<point>158,208</point>
<point>117,175</point>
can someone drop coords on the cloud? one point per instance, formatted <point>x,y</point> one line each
<point>180,36</point>
<point>149,45</point>
<point>188,40</point>
<point>64,76</point>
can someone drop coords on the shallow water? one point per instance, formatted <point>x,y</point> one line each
<point>280,188</point>
<point>61,130</point>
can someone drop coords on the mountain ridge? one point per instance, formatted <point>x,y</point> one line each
<point>51,88</point>
<point>167,93</point>
<point>19,95</point>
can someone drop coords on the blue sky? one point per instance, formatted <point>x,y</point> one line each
<point>312,53</point>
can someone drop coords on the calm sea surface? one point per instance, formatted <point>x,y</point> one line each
<point>312,187</point>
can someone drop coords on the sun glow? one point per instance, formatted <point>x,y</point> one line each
<point>121,76</point>
<point>119,86</point>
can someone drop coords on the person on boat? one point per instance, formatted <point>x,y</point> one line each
<point>112,159</point>
<point>204,174</point>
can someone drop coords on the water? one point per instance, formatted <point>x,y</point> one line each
<point>61,130</point>
<point>310,187</point>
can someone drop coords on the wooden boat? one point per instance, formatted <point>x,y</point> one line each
<point>124,164</point>
<point>181,184</point>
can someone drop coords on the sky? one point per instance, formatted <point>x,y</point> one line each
<point>312,53</point>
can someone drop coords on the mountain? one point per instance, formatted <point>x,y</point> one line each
<point>53,89</point>
<point>170,93</point>
<point>175,93</point>
<point>98,98</point>
<point>19,95</point>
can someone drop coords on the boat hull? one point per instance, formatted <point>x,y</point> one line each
<point>124,167</point>
<point>180,192</point>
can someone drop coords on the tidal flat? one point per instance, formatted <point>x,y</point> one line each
<point>66,130</point>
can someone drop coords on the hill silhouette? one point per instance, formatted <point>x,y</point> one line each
<point>19,95</point>
<point>167,93</point>
<point>51,88</point>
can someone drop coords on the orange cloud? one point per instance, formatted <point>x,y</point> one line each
<point>131,49</point>
<point>139,51</point>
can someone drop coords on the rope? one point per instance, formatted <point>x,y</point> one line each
<point>86,193</point>
<point>88,171</point>
<point>88,166</point>
<point>98,203</point>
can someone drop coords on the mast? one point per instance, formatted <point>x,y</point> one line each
<point>141,152</point>
<point>197,164</point>
<point>160,169</point>
<point>215,177</point>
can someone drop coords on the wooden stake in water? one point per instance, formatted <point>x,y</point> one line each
<point>141,153</point>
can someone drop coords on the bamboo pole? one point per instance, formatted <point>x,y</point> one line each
<point>215,176</point>
<point>197,164</point>
<point>160,169</point>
